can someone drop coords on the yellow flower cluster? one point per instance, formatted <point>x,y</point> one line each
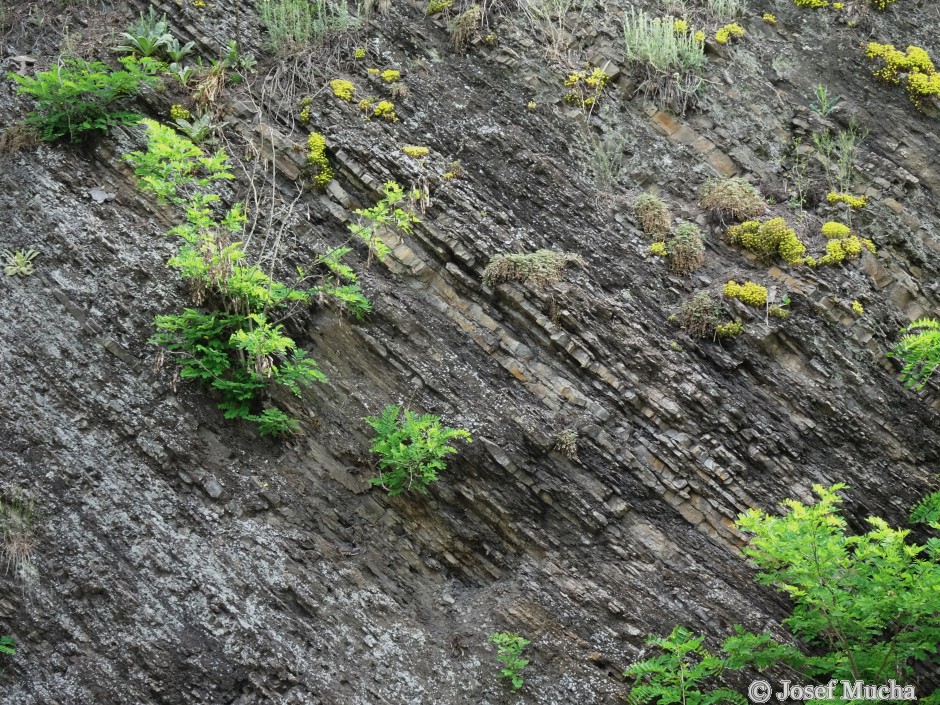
<point>178,112</point>
<point>700,36</point>
<point>305,110</point>
<point>921,78</point>
<point>881,4</point>
<point>359,54</point>
<point>415,152</point>
<point>680,26</point>
<point>385,110</point>
<point>769,18</point>
<point>837,5</point>
<point>812,3</point>
<point>749,293</point>
<point>390,75</point>
<point>586,88</point>
<point>728,31</point>
<point>768,239</point>
<point>833,230</point>
<point>342,89</point>
<point>658,249</point>
<point>848,199</point>
<point>858,308</point>
<point>844,248</point>
<point>316,157</point>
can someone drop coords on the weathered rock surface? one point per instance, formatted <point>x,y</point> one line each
<point>181,559</point>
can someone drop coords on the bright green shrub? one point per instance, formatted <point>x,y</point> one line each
<point>865,606</point>
<point>509,649</point>
<point>7,645</point>
<point>80,97</point>
<point>411,448</point>
<point>919,351</point>
<point>385,213</point>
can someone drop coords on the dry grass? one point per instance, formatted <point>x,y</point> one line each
<point>653,215</point>
<point>16,525</point>
<point>732,199</point>
<point>540,269</point>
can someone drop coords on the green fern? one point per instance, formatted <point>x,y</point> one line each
<point>679,674</point>
<point>411,448</point>
<point>919,350</point>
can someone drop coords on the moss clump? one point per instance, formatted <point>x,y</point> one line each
<point>701,315</point>
<point>464,29</point>
<point>343,90</point>
<point>748,293</point>
<point>566,443</point>
<point>316,157</point>
<point>769,239</point>
<point>848,199</point>
<point>684,249</point>
<point>415,152</point>
<point>391,75</point>
<point>732,199</point>
<point>436,6</point>
<point>540,269</point>
<point>653,215</point>
<point>728,330</point>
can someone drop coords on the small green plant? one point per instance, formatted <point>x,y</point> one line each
<point>295,25</point>
<point>679,674</point>
<point>411,448</point>
<point>19,263</point>
<point>919,352</point>
<point>540,269</point>
<point>17,513</point>
<point>7,645</point>
<point>148,36</point>
<point>566,443</point>
<point>78,97</point>
<point>176,52</point>
<point>670,63</point>
<point>384,214</point>
<point>825,103</point>
<point>317,159</point>
<point>509,649</point>
<point>200,129</point>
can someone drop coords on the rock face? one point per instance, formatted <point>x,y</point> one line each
<point>179,558</point>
